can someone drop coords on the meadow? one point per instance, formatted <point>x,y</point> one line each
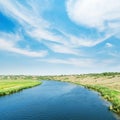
<point>9,86</point>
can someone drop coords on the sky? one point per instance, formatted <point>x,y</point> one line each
<point>49,37</point>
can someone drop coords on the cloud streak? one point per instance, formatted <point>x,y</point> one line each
<point>8,43</point>
<point>71,61</point>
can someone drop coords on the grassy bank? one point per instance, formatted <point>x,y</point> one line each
<point>11,86</point>
<point>107,84</point>
<point>111,95</point>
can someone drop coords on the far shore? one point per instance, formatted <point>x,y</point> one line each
<point>107,84</point>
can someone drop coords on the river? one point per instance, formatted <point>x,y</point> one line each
<point>55,100</point>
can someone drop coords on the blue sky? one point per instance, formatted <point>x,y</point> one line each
<point>47,37</point>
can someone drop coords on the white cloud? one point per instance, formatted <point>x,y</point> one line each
<point>45,35</point>
<point>8,42</point>
<point>60,48</point>
<point>28,52</point>
<point>109,45</point>
<point>8,46</point>
<point>72,61</point>
<point>99,14</point>
<point>86,41</point>
<point>26,14</point>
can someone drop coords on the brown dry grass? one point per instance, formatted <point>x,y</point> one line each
<point>112,82</point>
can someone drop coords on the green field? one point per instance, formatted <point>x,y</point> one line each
<point>11,86</point>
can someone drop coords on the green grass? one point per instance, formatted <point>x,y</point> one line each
<point>108,94</point>
<point>111,95</point>
<point>11,86</point>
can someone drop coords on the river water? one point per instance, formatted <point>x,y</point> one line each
<point>55,100</point>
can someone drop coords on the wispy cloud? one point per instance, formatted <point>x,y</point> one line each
<point>28,13</point>
<point>60,48</point>
<point>88,63</point>
<point>8,42</point>
<point>109,45</point>
<point>86,41</point>
<point>72,61</point>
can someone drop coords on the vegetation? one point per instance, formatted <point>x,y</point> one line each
<point>12,86</point>
<point>108,94</point>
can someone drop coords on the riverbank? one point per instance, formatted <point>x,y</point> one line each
<point>11,86</point>
<point>107,84</point>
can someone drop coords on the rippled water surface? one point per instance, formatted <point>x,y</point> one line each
<point>54,101</point>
